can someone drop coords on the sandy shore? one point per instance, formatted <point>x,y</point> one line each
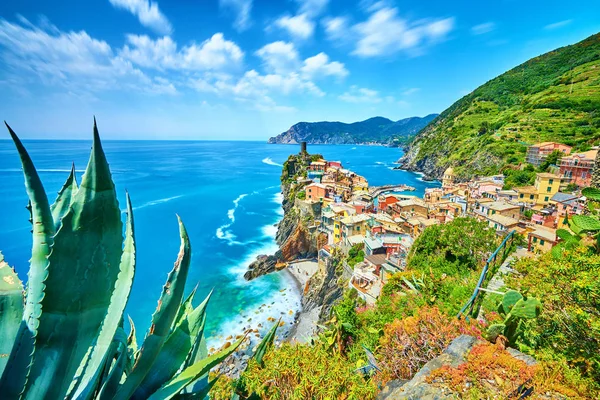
<point>306,323</point>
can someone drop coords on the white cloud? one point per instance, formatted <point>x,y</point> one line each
<point>279,57</point>
<point>385,32</point>
<point>481,29</point>
<point>148,14</point>
<point>320,66</point>
<point>242,10</point>
<point>410,91</point>
<point>361,95</point>
<point>299,26</point>
<point>312,7</point>
<point>558,24</point>
<point>336,28</point>
<point>74,61</point>
<point>213,54</point>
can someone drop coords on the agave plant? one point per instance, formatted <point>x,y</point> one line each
<point>63,337</point>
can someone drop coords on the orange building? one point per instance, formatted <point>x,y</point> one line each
<point>316,192</point>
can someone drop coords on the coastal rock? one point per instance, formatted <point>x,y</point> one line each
<point>325,288</point>
<point>454,355</point>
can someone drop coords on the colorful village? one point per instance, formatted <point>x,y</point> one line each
<point>383,222</point>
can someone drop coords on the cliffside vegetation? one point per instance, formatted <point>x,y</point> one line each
<point>553,97</point>
<point>373,130</point>
<point>414,320</point>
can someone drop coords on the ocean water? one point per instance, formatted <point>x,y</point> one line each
<point>227,194</point>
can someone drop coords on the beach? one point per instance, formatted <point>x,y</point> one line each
<point>306,321</point>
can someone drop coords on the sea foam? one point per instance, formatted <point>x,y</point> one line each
<point>269,161</point>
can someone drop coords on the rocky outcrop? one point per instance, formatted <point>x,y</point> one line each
<point>324,290</point>
<point>454,355</point>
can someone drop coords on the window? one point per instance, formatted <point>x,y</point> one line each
<point>551,181</point>
<point>534,240</point>
<point>309,190</point>
<point>531,197</point>
<point>549,189</point>
<point>546,198</point>
<point>522,195</point>
<point>541,242</point>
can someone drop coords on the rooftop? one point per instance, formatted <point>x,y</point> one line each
<point>501,206</point>
<point>502,220</point>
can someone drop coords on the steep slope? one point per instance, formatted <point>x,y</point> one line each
<point>553,97</point>
<point>373,130</point>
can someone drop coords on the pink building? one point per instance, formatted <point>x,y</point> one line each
<point>578,167</point>
<point>537,153</point>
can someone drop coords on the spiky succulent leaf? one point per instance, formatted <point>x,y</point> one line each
<point>174,352</point>
<point>132,347</point>
<point>162,320</point>
<point>586,223</point>
<point>65,197</point>
<point>526,308</point>
<point>591,193</point>
<point>17,369</point>
<point>118,301</point>
<point>11,309</point>
<point>509,299</point>
<point>186,308</point>
<point>190,374</point>
<point>82,270</point>
<point>111,383</point>
<point>264,345</point>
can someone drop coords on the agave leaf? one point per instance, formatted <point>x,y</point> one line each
<point>64,199</point>
<point>509,300</point>
<point>586,223</point>
<point>591,193</point>
<point>190,374</point>
<point>174,352</point>
<point>162,320</point>
<point>557,251</point>
<point>11,309</point>
<point>186,308</point>
<point>17,370</point>
<point>409,284</point>
<point>111,384</point>
<point>264,345</point>
<point>82,270</point>
<point>118,301</point>
<point>132,348</point>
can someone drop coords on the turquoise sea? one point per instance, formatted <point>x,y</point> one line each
<point>227,194</point>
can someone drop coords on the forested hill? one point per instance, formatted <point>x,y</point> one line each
<point>553,97</point>
<point>373,130</point>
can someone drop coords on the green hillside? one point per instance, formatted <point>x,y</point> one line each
<point>373,130</point>
<point>553,97</point>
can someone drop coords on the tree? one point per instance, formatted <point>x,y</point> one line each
<point>552,159</point>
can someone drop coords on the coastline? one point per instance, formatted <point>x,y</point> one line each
<point>305,321</point>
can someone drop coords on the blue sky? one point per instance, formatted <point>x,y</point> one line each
<point>249,69</point>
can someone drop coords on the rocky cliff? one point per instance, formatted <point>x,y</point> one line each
<point>295,238</point>
<point>377,130</point>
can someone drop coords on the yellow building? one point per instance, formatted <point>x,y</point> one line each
<point>448,178</point>
<point>546,185</point>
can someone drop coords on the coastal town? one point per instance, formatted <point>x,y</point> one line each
<point>376,227</point>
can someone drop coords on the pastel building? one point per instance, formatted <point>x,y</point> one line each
<point>577,168</point>
<point>546,185</point>
<point>537,153</point>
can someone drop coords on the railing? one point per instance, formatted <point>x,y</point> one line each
<point>473,304</point>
